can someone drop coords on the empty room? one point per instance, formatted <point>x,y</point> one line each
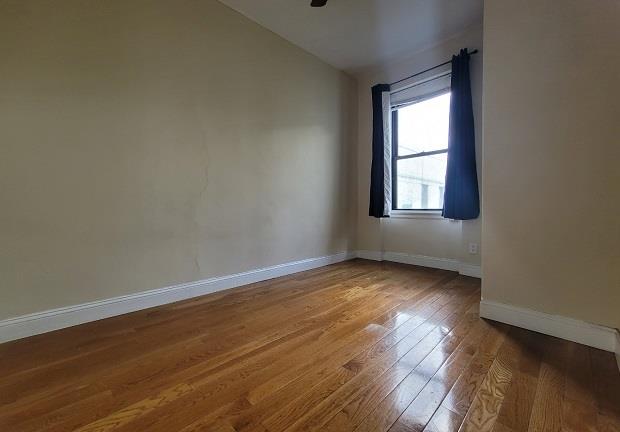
<point>309,215</point>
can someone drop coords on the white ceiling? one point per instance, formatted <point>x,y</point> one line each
<point>355,34</point>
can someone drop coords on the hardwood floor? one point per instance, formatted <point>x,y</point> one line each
<point>357,346</point>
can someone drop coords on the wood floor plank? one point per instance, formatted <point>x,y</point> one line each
<point>547,410</point>
<point>579,408</point>
<point>423,407</point>
<point>325,354</point>
<point>444,420</point>
<point>228,391</point>
<point>413,355</point>
<point>211,390</point>
<point>484,410</point>
<point>447,352</point>
<point>207,420</point>
<point>303,408</point>
<point>359,345</point>
<point>22,358</point>
<point>316,380</point>
<point>606,379</point>
<point>519,398</point>
<point>214,314</point>
<point>462,393</point>
<point>206,363</point>
<point>188,371</point>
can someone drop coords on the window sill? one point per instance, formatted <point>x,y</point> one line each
<point>415,214</point>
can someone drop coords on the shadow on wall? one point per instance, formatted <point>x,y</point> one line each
<point>344,196</point>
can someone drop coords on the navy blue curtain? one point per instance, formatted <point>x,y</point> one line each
<point>377,170</point>
<point>461,197</point>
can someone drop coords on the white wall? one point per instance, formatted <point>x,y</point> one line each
<point>551,159</point>
<point>149,143</point>
<point>434,237</point>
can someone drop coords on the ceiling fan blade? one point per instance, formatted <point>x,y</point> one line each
<point>318,3</point>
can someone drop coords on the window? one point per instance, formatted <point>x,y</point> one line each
<point>420,152</point>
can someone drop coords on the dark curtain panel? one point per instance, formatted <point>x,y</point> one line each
<point>461,198</point>
<point>377,171</point>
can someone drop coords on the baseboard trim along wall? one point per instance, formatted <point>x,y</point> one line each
<point>581,332</point>
<point>55,319</point>
<point>369,255</point>
<point>593,335</point>
<point>424,261</point>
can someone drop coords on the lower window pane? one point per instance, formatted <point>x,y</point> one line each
<point>421,181</point>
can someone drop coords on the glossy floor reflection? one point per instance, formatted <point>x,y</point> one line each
<point>357,346</point>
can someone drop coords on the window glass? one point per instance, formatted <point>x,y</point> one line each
<point>423,126</point>
<point>418,177</point>
<point>421,182</point>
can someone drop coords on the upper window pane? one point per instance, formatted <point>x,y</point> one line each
<point>423,126</point>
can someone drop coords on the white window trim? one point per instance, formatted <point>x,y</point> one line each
<point>416,214</point>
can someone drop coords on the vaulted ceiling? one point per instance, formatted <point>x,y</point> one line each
<point>355,34</point>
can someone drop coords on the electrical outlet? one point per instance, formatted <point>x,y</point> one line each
<point>473,248</point>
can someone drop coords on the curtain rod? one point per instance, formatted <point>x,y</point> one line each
<point>427,70</point>
<point>419,83</point>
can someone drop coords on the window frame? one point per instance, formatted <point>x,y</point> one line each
<point>396,158</point>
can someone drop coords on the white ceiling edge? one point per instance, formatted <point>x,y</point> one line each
<point>338,36</point>
<point>427,57</point>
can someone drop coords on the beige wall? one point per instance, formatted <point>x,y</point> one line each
<point>551,159</point>
<point>435,237</point>
<point>148,143</point>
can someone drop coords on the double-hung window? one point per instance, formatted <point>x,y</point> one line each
<point>420,147</point>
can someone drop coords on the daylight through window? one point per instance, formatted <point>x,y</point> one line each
<point>420,153</point>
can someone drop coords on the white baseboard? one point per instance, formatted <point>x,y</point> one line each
<point>46,321</point>
<point>421,260</point>
<point>369,255</point>
<point>470,270</point>
<point>593,335</point>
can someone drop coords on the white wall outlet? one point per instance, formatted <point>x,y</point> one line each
<point>473,248</point>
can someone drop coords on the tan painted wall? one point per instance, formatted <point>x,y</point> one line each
<point>439,238</point>
<point>551,157</point>
<point>149,143</point>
